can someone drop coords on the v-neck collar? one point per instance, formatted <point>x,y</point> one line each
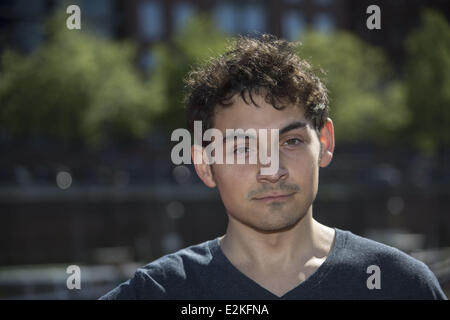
<point>309,283</point>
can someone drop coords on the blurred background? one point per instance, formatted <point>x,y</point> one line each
<point>86,116</point>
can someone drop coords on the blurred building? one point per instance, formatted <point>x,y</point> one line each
<point>150,21</point>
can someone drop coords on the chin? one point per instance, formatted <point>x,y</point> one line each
<point>271,225</point>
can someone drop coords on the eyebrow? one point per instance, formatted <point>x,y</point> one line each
<point>292,126</point>
<point>289,127</point>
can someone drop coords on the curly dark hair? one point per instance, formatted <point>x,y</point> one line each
<point>268,66</point>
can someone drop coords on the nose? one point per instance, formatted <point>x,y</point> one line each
<point>281,174</point>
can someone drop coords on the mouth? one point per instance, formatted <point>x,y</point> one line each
<point>274,197</point>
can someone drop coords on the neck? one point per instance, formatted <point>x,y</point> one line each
<point>244,245</point>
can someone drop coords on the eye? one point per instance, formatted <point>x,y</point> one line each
<point>292,142</point>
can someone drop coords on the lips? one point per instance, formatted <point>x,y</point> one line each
<point>274,197</point>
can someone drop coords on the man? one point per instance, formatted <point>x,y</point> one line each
<point>273,248</point>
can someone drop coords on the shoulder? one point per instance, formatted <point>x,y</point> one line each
<point>361,249</point>
<point>165,276</point>
<point>400,272</point>
<point>175,266</point>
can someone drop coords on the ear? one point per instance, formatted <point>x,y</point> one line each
<point>327,141</point>
<point>202,168</point>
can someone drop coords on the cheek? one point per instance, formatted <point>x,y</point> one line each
<point>302,165</point>
<point>233,182</point>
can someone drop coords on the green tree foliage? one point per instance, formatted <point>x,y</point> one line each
<point>198,41</point>
<point>75,87</point>
<point>428,82</point>
<point>366,103</point>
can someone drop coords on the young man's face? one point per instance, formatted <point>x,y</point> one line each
<point>270,203</point>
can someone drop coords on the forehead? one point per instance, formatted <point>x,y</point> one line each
<point>264,116</point>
